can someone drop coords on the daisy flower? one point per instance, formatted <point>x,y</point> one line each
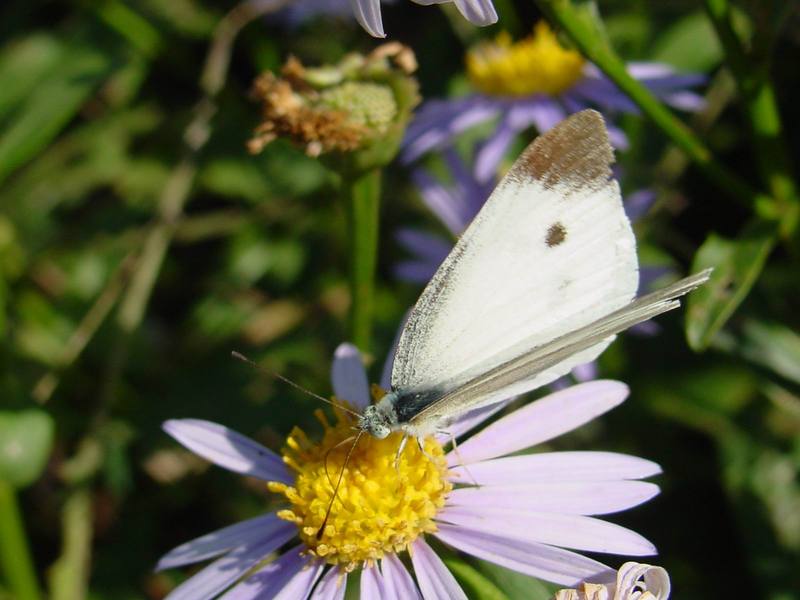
<point>527,512</point>
<point>477,12</point>
<point>634,581</point>
<point>535,82</point>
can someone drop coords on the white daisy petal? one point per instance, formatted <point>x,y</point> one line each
<point>368,15</point>
<point>435,579</point>
<point>549,467</point>
<point>539,560</point>
<point>349,377</point>
<point>567,531</point>
<point>542,420</point>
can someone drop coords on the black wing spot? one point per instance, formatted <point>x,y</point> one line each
<point>556,234</point>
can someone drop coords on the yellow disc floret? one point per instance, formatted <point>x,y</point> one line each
<point>536,65</point>
<point>382,505</point>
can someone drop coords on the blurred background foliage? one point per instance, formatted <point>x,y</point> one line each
<point>121,302</point>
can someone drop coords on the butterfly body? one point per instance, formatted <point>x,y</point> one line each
<point>541,281</point>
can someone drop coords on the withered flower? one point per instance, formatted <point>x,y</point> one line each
<point>353,113</point>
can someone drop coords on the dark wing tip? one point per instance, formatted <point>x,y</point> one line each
<point>576,152</point>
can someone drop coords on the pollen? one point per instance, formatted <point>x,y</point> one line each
<point>384,503</point>
<point>537,64</point>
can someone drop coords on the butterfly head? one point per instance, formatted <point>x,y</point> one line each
<point>379,419</point>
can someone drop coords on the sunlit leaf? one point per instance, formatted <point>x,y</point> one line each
<point>689,44</point>
<point>774,346</point>
<point>474,584</point>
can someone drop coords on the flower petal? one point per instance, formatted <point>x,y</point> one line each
<point>215,543</point>
<point>567,531</point>
<point>290,577</point>
<point>349,377</point>
<point>435,579</point>
<point>437,122</point>
<point>330,587</point>
<point>397,581</point>
<point>371,587</point>
<point>573,498</point>
<point>223,572</point>
<point>444,202</point>
<point>368,15</point>
<point>542,420</point>
<point>228,449</point>
<point>555,467</point>
<point>538,560</point>
<point>477,12</point>
<point>638,203</point>
<point>491,152</point>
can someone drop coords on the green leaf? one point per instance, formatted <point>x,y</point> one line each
<point>773,346</point>
<point>25,441</point>
<point>474,584</point>
<point>690,44</point>
<point>737,265</point>
<point>56,92</point>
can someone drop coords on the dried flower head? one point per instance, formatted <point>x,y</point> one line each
<point>340,108</point>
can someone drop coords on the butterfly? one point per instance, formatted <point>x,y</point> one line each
<point>541,281</point>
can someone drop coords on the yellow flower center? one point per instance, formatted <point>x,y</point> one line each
<point>536,65</point>
<point>382,505</point>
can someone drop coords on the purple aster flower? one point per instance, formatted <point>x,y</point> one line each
<point>535,82</point>
<point>634,581</point>
<point>528,512</point>
<point>477,12</point>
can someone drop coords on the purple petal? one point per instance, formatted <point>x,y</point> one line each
<point>418,271</point>
<point>435,579</point>
<point>542,420</point>
<point>554,467</point>
<point>538,560</point>
<point>545,113</point>
<point>477,12</point>
<point>397,581</point>
<point>371,587</point>
<point>439,121</point>
<point>368,15</point>
<point>617,137</point>
<point>638,203</point>
<point>443,201</point>
<point>290,577</point>
<point>585,372</point>
<point>431,247</point>
<point>568,531</point>
<point>491,152</point>
<point>349,376</point>
<point>228,449</point>
<point>684,100</point>
<point>331,587</point>
<point>213,544</point>
<point>572,498</point>
<point>223,572</point>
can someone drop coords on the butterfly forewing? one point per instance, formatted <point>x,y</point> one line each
<point>551,251</point>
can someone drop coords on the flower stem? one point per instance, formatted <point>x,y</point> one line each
<point>15,556</point>
<point>361,195</point>
<point>581,27</point>
<point>758,97</point>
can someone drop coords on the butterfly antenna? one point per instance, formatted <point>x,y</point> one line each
<point>331,449</point>
<point>321,529</point>
<point>297,386</point>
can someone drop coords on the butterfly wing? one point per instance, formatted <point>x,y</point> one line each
<point>551,251</point>
<point>541,359</point>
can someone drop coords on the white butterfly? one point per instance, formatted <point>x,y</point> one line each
<point>540,282</point>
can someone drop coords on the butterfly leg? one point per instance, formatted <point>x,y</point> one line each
<point>400,449</point>
<point>458,456</point>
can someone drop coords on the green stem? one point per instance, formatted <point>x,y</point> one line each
<point>361,195</point>
<point>582,30</point>
<point>758,97</point>
<point>15,555</point>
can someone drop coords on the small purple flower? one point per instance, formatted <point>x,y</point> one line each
<point>535,82</point>
<point>477,12</point>
<point>529,512</point>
